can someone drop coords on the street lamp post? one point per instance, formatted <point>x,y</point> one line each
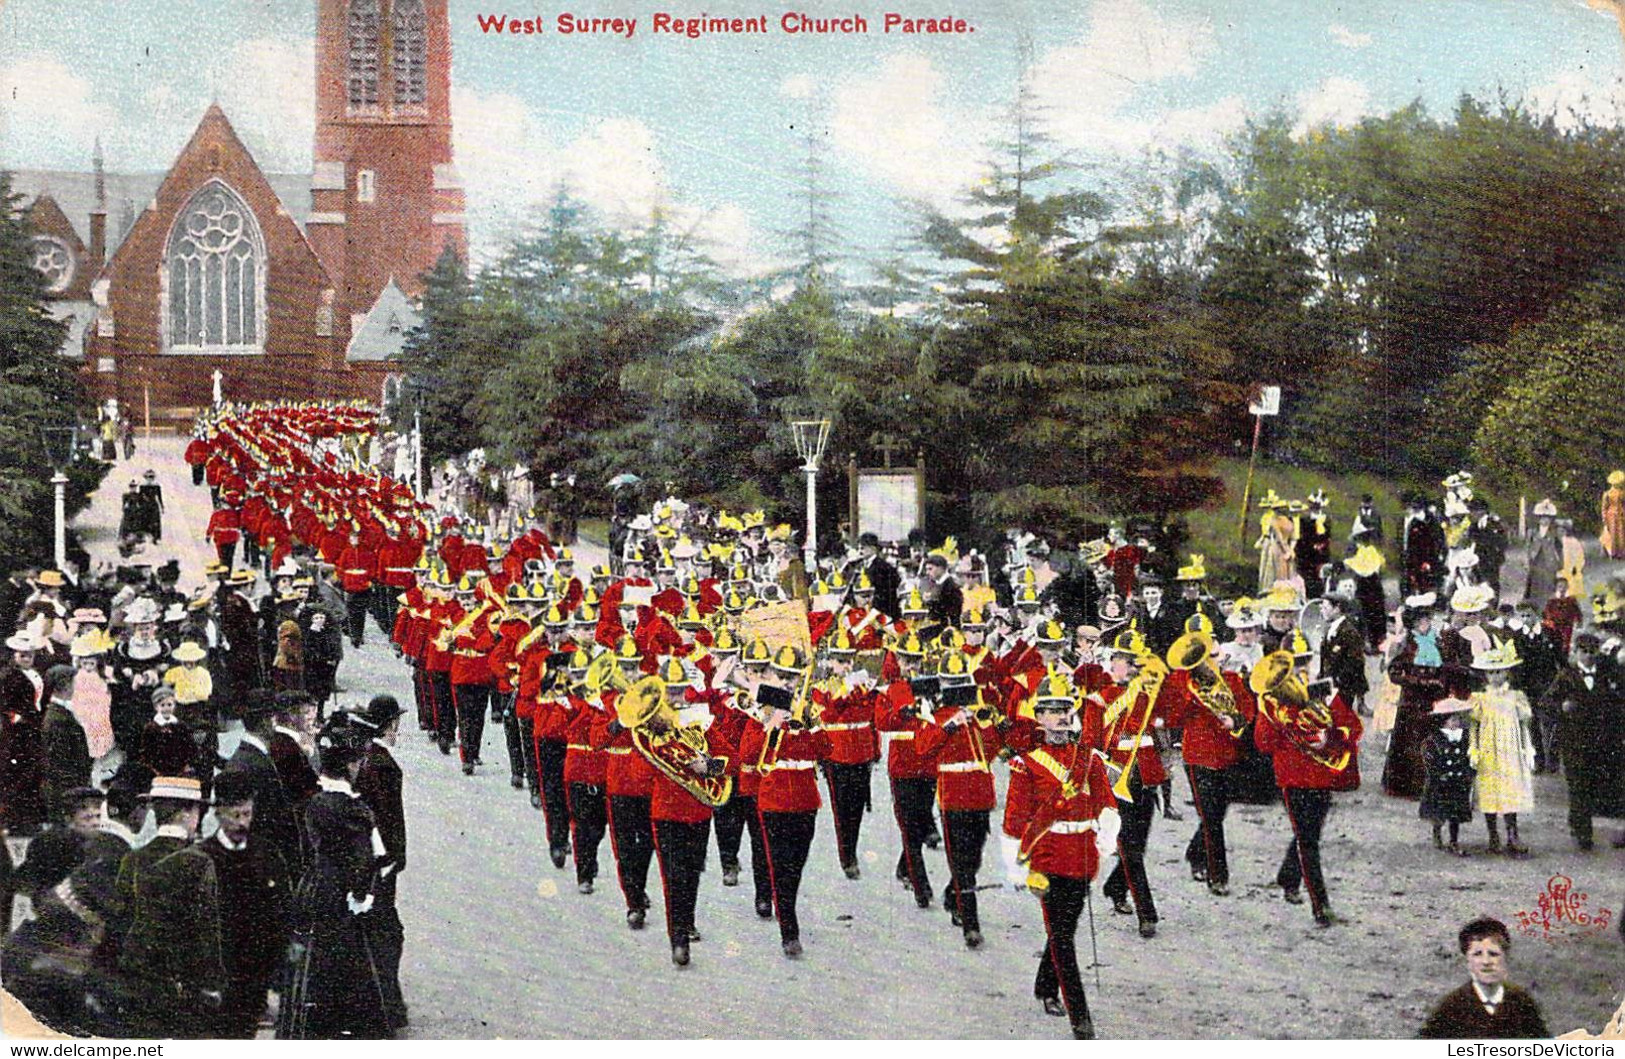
<point>59,444</point>
<point>811,436</point>
<point>415,388</point>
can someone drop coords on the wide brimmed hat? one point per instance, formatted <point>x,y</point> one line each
<point>1504,655</point>
<point>379,712</point>
<point>175,789</point>
<point>90,616</point>
<point>1546,509</point>
<point>1616,477</point>
<point>189,652</point>
<point>50,579</point>
<point>241,577</point>
<point>23,640</point>
<point>1451,705</point>
<point>1471,599</point>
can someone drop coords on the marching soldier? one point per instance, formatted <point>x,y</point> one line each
<point>629,785</point>
<point>848,706</point>
<point>913,776</point>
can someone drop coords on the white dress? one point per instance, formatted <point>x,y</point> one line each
<point>1501,751</point>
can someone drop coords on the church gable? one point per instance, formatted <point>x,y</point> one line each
<point>57,252</point>
<point>214,264</point>
<point>381,334</point>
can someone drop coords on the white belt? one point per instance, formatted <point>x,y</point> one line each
<point>619,750</point>
<point>849,726</point>
<point>1129,744</point>
<point>900,736</point>
<point>963,766</point>
<point>577,746</point>
<point>792,765</point>
<point>1071,827</point>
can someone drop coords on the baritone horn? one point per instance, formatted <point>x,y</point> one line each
<point>669,745</point>
<point>1148,682</point>
<point>1193,652</point>
<point>1284,699</point>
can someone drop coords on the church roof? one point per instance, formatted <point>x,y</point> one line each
<point>130,193</point>
<point>382,335</point>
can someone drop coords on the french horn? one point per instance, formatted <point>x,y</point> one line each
<point>670,746</point>
<point>1193,652</point>
<point>1284,699</point>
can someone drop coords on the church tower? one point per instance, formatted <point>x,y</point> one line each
<point>385,196</point>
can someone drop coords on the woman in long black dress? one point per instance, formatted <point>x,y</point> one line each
<point>333,989</point>
<point>1420,672</point>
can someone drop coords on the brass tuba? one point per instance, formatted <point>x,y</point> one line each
<point>1284,699</point>
<point>1148,681</point>
<point>1193,652</point>
<point>672,748</point>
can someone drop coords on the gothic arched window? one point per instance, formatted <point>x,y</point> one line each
<point>54,261</point>
<point>214,275</point>
<point>363,60</point>
<point>409,49</point>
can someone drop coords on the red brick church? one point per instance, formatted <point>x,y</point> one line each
<point>290,286</point>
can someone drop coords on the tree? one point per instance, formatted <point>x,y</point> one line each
<point>38,390</point>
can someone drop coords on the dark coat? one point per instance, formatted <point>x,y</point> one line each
<point>887,581</point>
<point>167,749</point>
<point>1447,793</point>
<point>1590,738</point>
<point>1461,1016</point>
<point>293,766</point>
<point>334,990</point>
<point>51,858</point>
<point>254,908</point>
<point>239,625</point>
<point>949,603</point>
<point>379,784</point>
<point>21,753</point>
<point>66,754</point>
<point>1342,658</point>
<point>172,955</point>
<point>276,823</point>
<point>1419,688</point>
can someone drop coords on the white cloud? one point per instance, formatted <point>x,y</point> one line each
<point>1090,89</point>
<point>48,113</point>
<point>894,125</point>
<point>1347,37</point>
<point>267,87</point>
<point>798,86</point>
<point>1575,99</point>
<point>1335,101</point>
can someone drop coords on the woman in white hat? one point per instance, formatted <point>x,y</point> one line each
<point>1545,553</point>
<point>138,665</point>
<point>92,701</point>
<point>22,692</point>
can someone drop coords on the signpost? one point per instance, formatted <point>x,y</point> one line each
<point>1268,403</point>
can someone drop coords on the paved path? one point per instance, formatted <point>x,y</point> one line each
<point>499,944</point>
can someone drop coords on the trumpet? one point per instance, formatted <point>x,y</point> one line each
<point>1284,698</point>
<point>1148,681</point>
<point>673,748</point>
<point>1193,653</point>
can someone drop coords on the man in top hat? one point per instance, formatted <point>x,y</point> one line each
<point>1342,651</point>
<point>1488,536</point>
<point>1313,548</point>
<point>947,601</point>
<point>1367,522</point>
<point>254,901</point>
<point>1586,699</point>
<point>1422,548</point>
<point>882,575</point>
<point>379,783</point>
<point>61,848</point>
<point>171,958</point>
<point>239,623</point>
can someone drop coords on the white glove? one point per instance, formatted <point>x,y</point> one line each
<point>358,907</point>
<point>1106,829</point>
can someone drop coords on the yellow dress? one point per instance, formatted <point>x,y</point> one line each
<point>1501,751</point>
<point>190,686</point>
<point>1574,567</point>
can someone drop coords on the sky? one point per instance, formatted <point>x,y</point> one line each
<point>714,129</point>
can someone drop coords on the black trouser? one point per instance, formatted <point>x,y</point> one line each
<point>355,608</point>
<point>420,695</point>
<point>387,939</point>
<point>681,848</point>
<point>227,552</point>
<point>527,747</point>
<point>445,710</point>
<point>471,701</point>
<point>587,820</point>
<point>789,837</point>
<point>1207,848</point>
<point>555,800</point>
<point>1129,875</point>
<point>911,801</point>
<point>965,833</point>
<point>849,799</point>
<point>241,1005</point>
<point>504,702</point>
<point>1062,903</point>
<point>197,473</point>
<point>384,605</point>
<point>730,820</point>
<point>251,552</point>
<point>1306,808</point>
<point>633,842</point>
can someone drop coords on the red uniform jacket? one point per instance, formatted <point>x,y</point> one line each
<point>849,721</point>
<point>1119,742</point>
<point>903,761</point>
<point>671,801</point>
<point>1294,769</point>
<point>471,651</point>
<point>962,756</point>
<point>503,661</point>
<point>1068,848</point>
<point>1206,743</point>
<point>443,617</point>
<point>357,567</point>
<point>627,774</point>
<point>582,763</point>
<point>789,779</point>
<point>225,526</point>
